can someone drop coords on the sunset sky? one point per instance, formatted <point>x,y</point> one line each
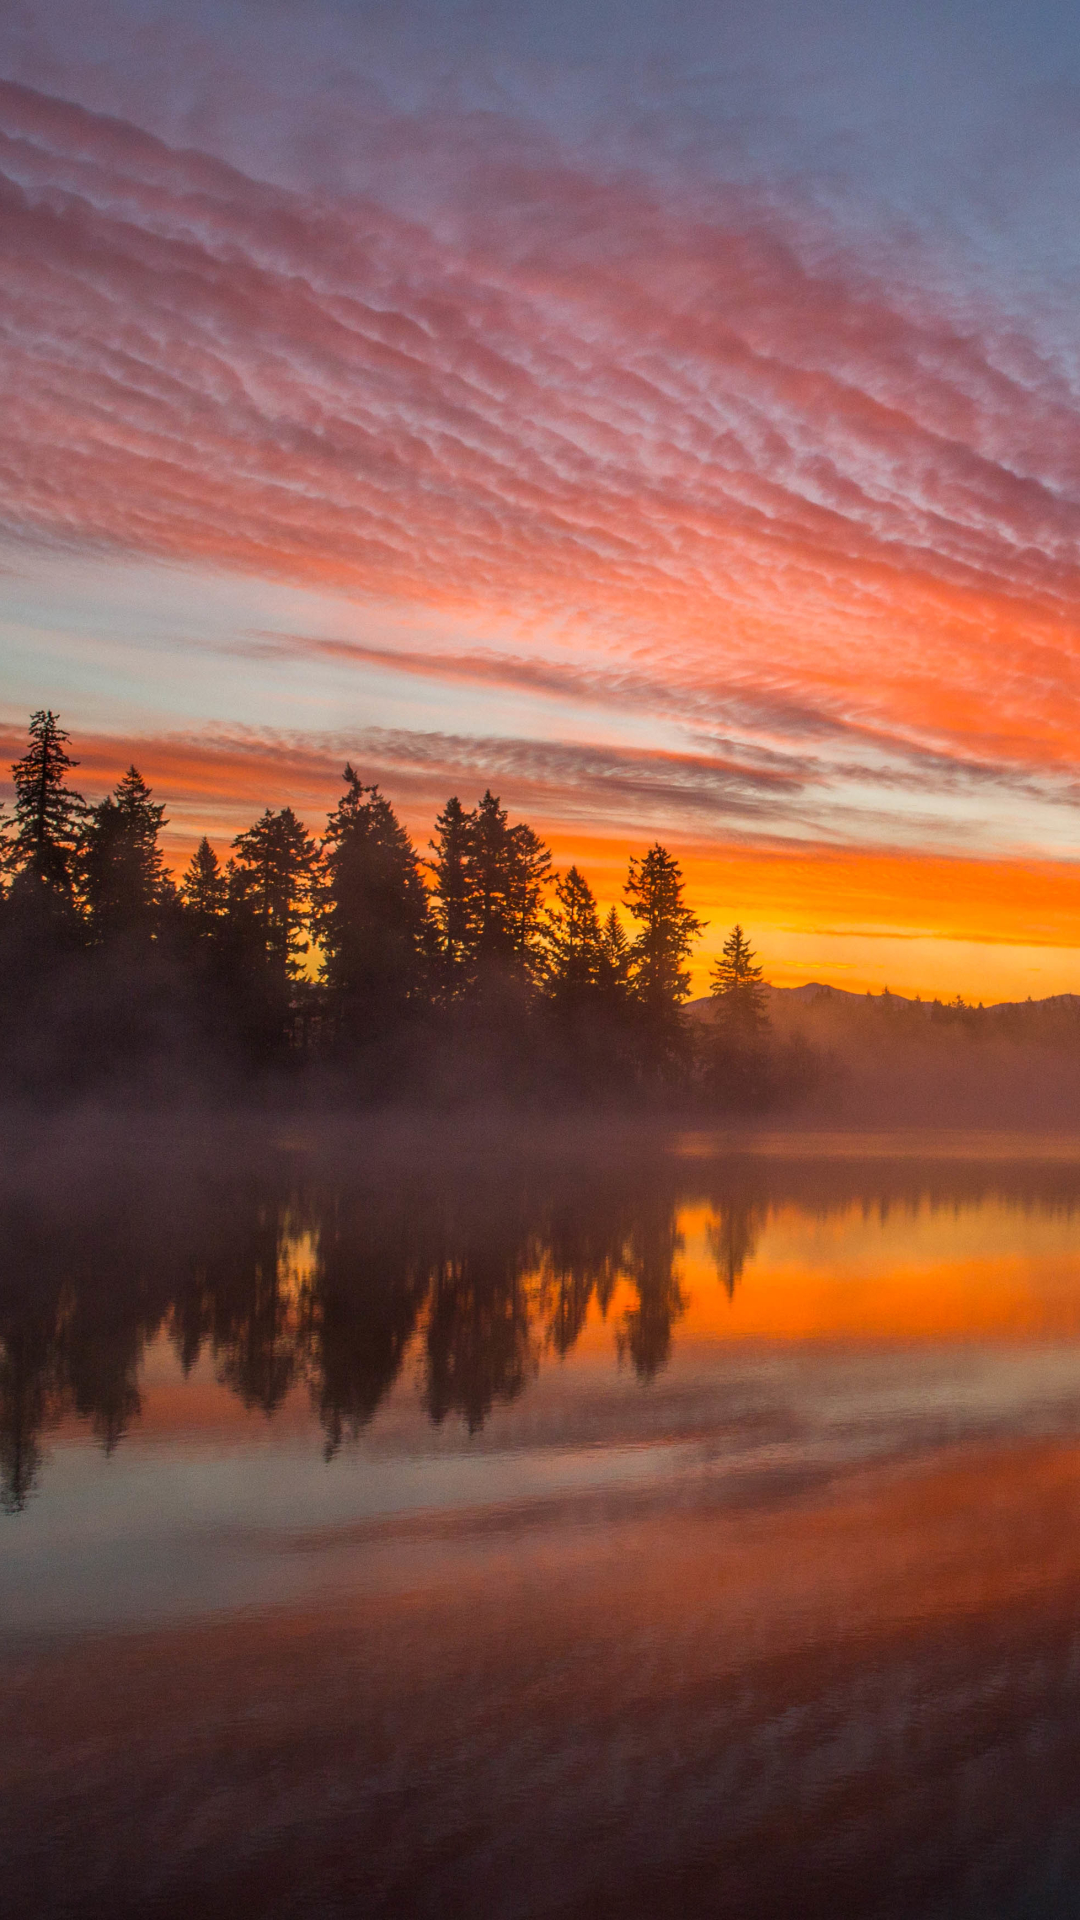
<point>665,413</point>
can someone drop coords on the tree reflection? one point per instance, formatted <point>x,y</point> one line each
<point>256,1316</point>
<point>583,1258</point>
<point>285,1279</point>
<point>103,1362</point>
<point>732,1238</point>
<point>655,1245</point>
<point>479,1337</point>
<point>369,1288</point>
<point>28,1398</point>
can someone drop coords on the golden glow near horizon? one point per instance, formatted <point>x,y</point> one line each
<point>991,1271</point>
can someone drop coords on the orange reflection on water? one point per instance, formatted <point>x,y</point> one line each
<point>924,1273</point>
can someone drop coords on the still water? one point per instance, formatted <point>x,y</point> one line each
<point>657,1526</point>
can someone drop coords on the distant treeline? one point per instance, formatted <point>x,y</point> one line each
<point>1054,1020</point>
<point>470,969</point>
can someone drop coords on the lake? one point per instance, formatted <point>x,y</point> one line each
<point>588,1523</point>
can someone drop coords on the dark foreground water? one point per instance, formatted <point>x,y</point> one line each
<point>574,1527</point>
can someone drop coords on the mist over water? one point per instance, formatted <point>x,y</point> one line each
<point>549,1520</point>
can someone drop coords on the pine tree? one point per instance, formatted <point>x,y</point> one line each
<point>489,881</point>
<point>506,873</point>
<point>573,942</point>
<point>49,815</point>
<point>372,915</point>
<point>668,928</point>
<point>530,875</point>
<point>736,1056</point>
<point>121,869</point>
<point>614,970</point>
<point>270,882</point>
<point>452,905</point>
<point>204,892</point>
<point>738,990</point>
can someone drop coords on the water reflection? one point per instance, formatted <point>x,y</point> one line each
<point>696,1531</point>
<point>295,1271</point>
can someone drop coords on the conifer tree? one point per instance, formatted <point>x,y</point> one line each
<point>667,930</point>
<point>270,882</point>
<point>736,1059</point>
<point>530,874</point>
<point>738,991</point>
<point>573,941</point>
<point>204,892</point>
<point>506,872</point>
<point>371,914</point>
<point>121,869</point>
<point>48,813</point>
<point>452,906</point>
<point>489,881</point>
<point>614,970</point>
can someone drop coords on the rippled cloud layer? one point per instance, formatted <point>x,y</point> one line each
<point>753,518</point>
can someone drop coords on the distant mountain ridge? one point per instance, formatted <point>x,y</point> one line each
<point>813,988</point>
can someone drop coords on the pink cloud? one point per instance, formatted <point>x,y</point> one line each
<point>724,460</point>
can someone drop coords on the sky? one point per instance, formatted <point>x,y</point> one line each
<point>665,414</point>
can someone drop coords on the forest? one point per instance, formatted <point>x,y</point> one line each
<point>350,959</point>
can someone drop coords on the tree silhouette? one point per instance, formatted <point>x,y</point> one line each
<point>613,976</point>
<point>204,892</point>
<point>667,929</point>
<point>122,873</point>
<point>737,1068</point>
<point>453,904</point>
<point>48,813</point>
<point>371,911</point>
<point>573,943</point>
<point>737,988</point>
<point>530,874</point>
<point>506,872</point>
<point>270,883</point>
<point>485,984</point>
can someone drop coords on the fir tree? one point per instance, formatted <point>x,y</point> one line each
<point>270,882</point>
<point>659,978</point>
<point>372,916</point>
<point>452,905</point>
<point>506,872</point>
<point>204,892</point>
<point>737,1065</point>
<point>121,869</point>
<point>489,881</point>
<point>573,942</point>
<point>737,988</point>
<point>49,815</point>
<point>614,968</point>
<point>530,874</point>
